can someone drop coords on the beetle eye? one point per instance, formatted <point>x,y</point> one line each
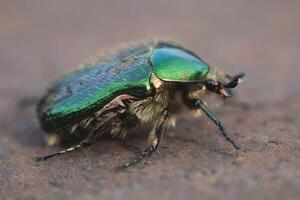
<point>211,82</point>
<point>212,85</point>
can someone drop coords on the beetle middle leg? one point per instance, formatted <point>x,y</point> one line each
<point>155,136</point>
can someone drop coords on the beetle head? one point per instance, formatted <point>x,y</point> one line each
<point>223,89</point>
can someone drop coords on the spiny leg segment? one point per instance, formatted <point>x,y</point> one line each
<point>159,129</point>
<point>86,142</point>
<point>89,140</point>
<point>202,105</point>
<point>73,148</point>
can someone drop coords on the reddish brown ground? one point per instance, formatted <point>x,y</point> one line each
<point>41,41</point>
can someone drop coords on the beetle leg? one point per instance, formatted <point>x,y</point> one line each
<point>202,105</point>
<point>86,142</point>
<point>90,139</point>
<point>158,133</point>
<point>41,158</point>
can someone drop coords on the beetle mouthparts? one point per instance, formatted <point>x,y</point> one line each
<point>235,81</point>
<point>225,92</point>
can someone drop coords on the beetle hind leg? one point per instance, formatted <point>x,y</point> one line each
<point>100,126</point>
<point>42,158</point>
<point>155,137</point>
<point>85,143</point>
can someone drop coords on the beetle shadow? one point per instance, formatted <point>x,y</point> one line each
<point>25,128</point>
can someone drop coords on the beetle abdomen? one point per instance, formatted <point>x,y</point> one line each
<point>86,90</point>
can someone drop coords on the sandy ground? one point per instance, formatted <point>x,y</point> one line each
<point>40,41</point>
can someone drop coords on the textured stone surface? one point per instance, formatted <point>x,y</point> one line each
<point>40,41</point>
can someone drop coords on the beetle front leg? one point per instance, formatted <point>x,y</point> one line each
<point>158,133</point>
<point>202,105</point>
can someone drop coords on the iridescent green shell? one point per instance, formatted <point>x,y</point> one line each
<point>87,90</point>
<point>171,63</point>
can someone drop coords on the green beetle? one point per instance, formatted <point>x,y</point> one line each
<point>149,82</point>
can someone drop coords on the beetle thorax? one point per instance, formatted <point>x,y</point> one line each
<point>177,96</point>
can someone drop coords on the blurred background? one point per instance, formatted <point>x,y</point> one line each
<point>42,40</point>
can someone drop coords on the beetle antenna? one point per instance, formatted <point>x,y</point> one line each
<point>235,80</point>
<point>228,76</point>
